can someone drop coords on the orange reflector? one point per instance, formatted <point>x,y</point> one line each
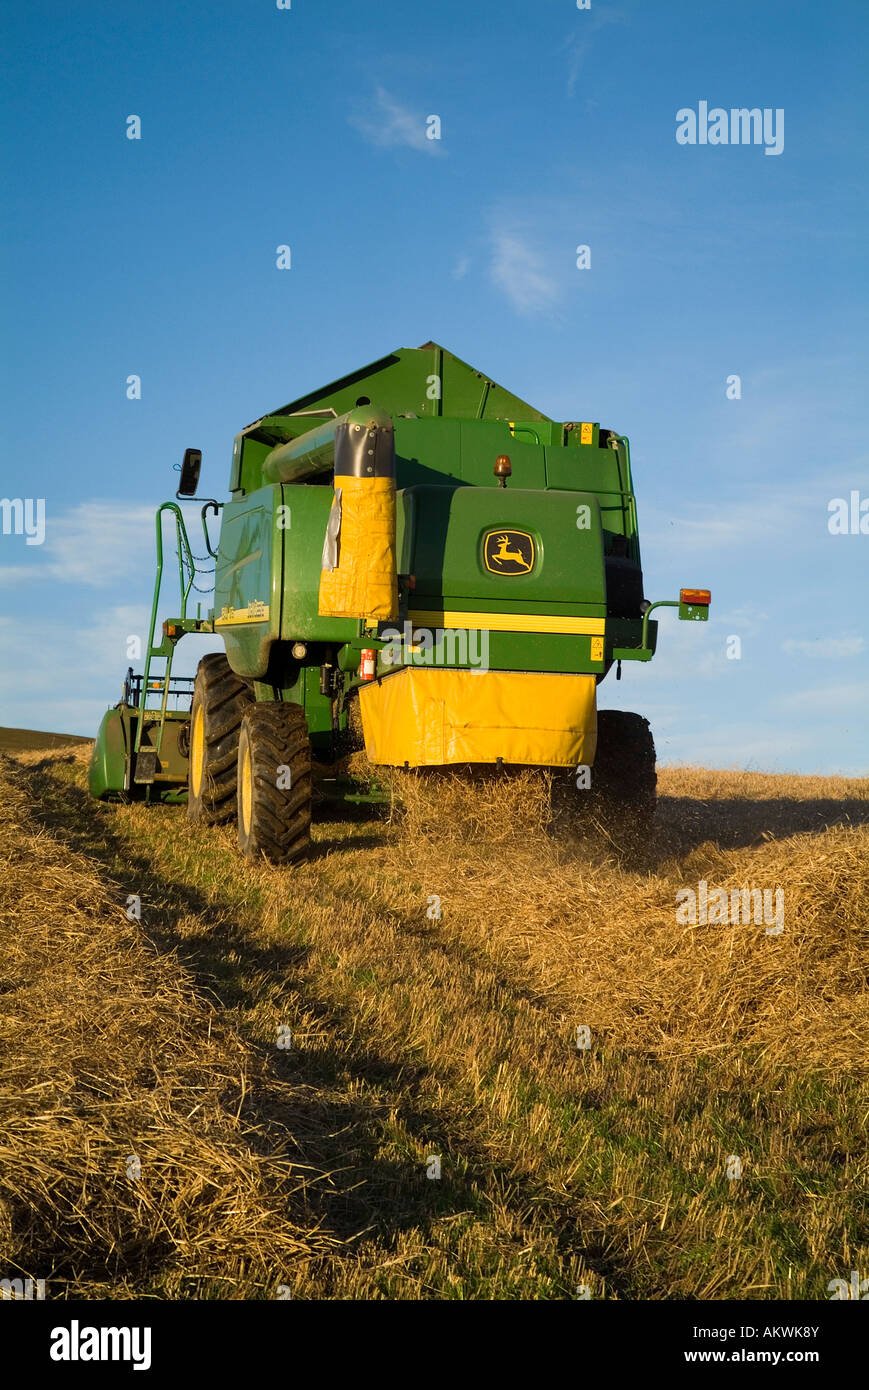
<point>699,596</point>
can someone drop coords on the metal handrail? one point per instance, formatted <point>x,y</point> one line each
<point>181,540</point>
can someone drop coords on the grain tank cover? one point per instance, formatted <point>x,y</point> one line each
<point>414,383</point>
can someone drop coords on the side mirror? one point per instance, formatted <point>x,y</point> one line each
<point>190,466</point>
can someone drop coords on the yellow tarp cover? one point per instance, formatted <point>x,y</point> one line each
<point>428,718</point>
<point>363,584</point>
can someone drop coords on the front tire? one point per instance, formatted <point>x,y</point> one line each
<point>220,698</point>
<point>274,783</point>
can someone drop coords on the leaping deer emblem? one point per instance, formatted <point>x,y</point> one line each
<point>502,553</point>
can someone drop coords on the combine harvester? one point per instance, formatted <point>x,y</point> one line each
<point>412,559</point>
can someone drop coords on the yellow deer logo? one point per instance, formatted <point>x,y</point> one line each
<point>501,559</point>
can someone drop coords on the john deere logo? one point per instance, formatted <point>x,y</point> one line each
<point>508,552</point>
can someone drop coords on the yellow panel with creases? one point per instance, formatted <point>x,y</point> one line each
<point>429,718</point>
<point>364,582</point>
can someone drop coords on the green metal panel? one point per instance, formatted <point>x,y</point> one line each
<point>249,571</point>
<point>171,762</point>
<point>438,451</point>
<point>540,432</point>
<point>318,711</point>
<point>405,523</point>
<point>625,637</point>
<point>404,382</point>
<point>594,470</point>
<point>251,453</point>
<point>448,560</point>
<point>305,690</point>
<point>584,467</point>
<point>507,651</point>
<point>303,534</point>
<point>108,765</point>
<point>428,451</point>
<point>401,381</point>
<point>481,443</point>
<point>271,544</point>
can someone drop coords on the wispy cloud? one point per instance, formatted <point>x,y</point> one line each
<point>579,44</point>
<point>829,700</point>
<point>745,621</point>
<point>520,272</point>
<point>825,648</point>
<point>758,746</point>
<point>389,124</point>
<point>93,653</point>
<point>766,517</point>
<point>100,543</point>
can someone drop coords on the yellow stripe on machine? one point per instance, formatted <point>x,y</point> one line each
<point>511,622</point>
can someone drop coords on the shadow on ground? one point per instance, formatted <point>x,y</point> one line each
<point>683,823</point>
<point>297,1097</point>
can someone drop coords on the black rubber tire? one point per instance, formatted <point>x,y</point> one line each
<point>221,697</point>
<point>623,777</point>
<point>274,749</point>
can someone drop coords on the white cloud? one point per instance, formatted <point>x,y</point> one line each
<point>390,124</point>
<point>518,271</point>
<point>765,518</point>
<point>98,543</point>
<point>829,700</point>
<point>14,574</point>
<point>711,525</point>
<point>825,648</point>
<point>64,682</point>
<point>742,746</point>
<point>746,621</point>
<point>579,43</point>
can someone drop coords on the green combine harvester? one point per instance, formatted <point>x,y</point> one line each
<point>412,561</point>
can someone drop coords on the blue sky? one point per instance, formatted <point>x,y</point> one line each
<point>306,127</point>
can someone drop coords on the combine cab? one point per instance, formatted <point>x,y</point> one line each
<point>412,559</point>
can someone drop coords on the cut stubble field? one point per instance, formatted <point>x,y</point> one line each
<point>156,1140</point>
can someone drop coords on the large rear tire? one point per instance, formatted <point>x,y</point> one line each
<point>623,777</point>
<point>274,783</point>
<point>220,698</point>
